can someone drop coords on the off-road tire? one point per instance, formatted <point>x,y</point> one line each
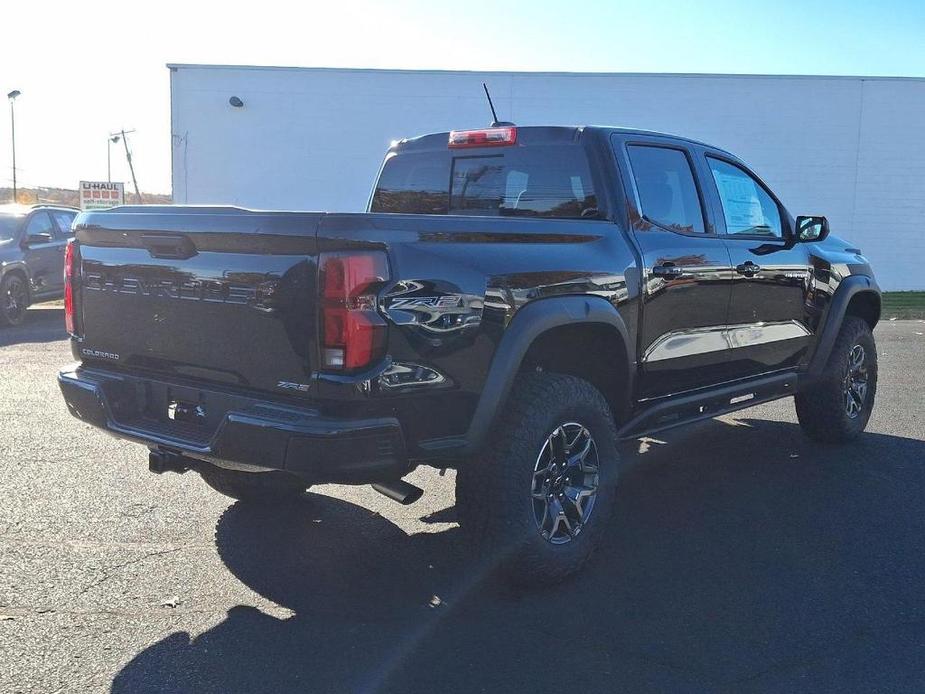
<point>15,283</point>
<point>494,490</point>
<point>264,487</point>
<point>822,410</point>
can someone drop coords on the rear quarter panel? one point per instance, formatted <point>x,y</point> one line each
<point>457,284</point>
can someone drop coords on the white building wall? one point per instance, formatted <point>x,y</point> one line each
<point>850,148</point>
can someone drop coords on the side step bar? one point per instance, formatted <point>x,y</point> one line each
<point>674,411</point>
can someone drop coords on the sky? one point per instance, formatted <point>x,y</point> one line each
<point>87,69</point>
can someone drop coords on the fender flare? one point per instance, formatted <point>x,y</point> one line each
<point>528,323</point>
<point>835,315</point>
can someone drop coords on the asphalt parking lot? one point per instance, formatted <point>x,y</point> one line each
<point>742,558</point>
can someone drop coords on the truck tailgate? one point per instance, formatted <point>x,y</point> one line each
<point>218,294</point>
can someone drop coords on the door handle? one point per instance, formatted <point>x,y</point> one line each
<point>667,270</point>
<point>748,268</point>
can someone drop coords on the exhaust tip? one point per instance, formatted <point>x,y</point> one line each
<point>403,492</point>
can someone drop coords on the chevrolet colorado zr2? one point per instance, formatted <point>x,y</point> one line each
<point>514,303</point>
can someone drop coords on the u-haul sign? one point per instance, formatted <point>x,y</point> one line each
<point>100,195</point>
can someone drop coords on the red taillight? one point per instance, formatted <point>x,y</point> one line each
<point>69,274</point>
<point>488,137</point>
<point>353,332</point>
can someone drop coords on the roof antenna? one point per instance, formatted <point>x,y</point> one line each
<point>495,123</point>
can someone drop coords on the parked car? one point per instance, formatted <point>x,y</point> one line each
<point>32,241</point>
<point>515,302</point>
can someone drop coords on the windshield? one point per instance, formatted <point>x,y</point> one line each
<point>8,226</point>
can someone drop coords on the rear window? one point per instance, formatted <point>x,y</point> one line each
<point>64,221</point>
<point>538,181</point>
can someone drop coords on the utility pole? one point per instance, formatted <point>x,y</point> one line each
<point>128,157</point>
<point>12,97</point>
<point>109,143</point>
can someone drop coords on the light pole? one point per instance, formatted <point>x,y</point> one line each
<point>110,141</point>
<point>12,97</point>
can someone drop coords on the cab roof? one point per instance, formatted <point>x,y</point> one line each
<point>14,209</point>
<point>541,134</point>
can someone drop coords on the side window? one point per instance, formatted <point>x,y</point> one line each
<point>64,221</point>
<point>40,224</point>
<point>747,207</point>
<point>667,191</point>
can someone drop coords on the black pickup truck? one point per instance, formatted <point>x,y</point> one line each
<point>515,302</point>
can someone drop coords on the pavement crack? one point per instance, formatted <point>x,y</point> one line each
<point>93,544</point>
<point>110,570</point>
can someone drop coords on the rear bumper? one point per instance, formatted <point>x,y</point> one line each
<point>237,430</point>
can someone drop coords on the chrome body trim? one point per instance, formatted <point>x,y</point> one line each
<point>688,343</point>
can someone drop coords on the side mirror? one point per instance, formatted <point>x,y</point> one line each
<point>35,239</point>
<point>812,228</point>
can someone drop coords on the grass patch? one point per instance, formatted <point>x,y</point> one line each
<point>903,305</point>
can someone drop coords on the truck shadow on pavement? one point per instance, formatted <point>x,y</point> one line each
<point>743,557</point>
<point>40,325</point>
